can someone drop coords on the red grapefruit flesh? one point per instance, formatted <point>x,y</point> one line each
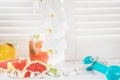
<point>3,64</point>
<point>27,74</point>
<point>35,66</point>
<point>20,64</point>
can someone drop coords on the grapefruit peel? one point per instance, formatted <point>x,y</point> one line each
<point>10,67</point>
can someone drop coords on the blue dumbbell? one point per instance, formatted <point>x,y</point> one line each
<point>112,72</point>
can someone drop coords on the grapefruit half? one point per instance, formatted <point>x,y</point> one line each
<point>35,66</point>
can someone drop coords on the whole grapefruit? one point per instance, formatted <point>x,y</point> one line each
<point>7,51</point>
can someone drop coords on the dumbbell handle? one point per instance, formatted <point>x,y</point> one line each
<point>99,67</point>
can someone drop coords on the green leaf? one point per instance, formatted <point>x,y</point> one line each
<point>53,71</point>
<point>36,36</point>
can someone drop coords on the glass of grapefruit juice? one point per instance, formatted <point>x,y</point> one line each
<point>35,52</point>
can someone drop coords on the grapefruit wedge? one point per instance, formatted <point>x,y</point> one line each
<point>35,66</point>
<point>3,64</point>
<point>19,65</point>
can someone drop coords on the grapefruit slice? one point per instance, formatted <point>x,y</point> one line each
<point>3,64</point>
<point>35,66</point>
<point>18,64</point>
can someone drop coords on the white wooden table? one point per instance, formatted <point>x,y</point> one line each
<point>72,71</point>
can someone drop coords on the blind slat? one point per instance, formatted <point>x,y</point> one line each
<point>86,25</point>
<point>15,4</point>
<point>19,28</point>
<point>20,17</point>
<point>19,31</point>
<point>95,11</point>
<point>83,18</point>
<point>16,1</point>
<point>97,4</point>
<point>16,10</point>
<point>23,23</point>
<point>96,0</point>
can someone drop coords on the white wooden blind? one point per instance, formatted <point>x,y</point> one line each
<point>95,28</point>
<point>18,20</point>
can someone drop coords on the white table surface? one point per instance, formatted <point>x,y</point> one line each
<point>72,71</point>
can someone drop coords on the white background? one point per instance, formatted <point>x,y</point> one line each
<point>94,26</point>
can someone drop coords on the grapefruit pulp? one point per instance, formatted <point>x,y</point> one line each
<point>20,64</point>
<point>35,66</point>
